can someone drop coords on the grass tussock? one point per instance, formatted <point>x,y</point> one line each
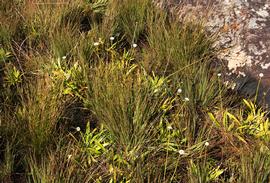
<point>120,91</point>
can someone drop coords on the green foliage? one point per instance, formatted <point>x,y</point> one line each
<point>69,77</point>
<point>13,76</point>
<point>203,172</point>
<point>95,143</point>
<point>4,55</point>
<point>249,120</point>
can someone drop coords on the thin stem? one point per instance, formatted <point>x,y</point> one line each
<point>220,96</point>
<point>257,90</point>
<point>175,168</point>
<point>166,162</point>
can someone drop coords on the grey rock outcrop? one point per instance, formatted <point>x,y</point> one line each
<point>244,38</point>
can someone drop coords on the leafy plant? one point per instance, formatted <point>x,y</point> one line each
<point>13,76</point>
<point>204,172</point>
<point>249,121</point>
<point>95,143</point>
<point>4,55</point>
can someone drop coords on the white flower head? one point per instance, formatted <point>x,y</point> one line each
<point>76,64</point>
<point>78,129</point>
<point>169,127</point>
<point>179,91</point>
<point>181,152</point>
<point>67,75</point>
<point>233,86</point>
<point>134,45</point>
<point>156,90</point>
<point>111,38</point>
<point>219,74</point>
<point>96,43</point>
<point>261,75</point>
<point>186,99</point>
<point>206,144</point>
<point>64,57</point>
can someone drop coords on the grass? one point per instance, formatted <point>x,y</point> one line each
<point>120,91</point>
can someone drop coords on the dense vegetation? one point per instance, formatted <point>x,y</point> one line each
<point>120,91</point>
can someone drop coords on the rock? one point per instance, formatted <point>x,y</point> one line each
<point>244,37</point>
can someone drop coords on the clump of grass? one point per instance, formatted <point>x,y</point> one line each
<point>64,42</point>
<point>9,12</point>
<point>39,113</point>
<point>7,166</point>
<point>124,88</point>
<point>84,15</point>
<point>138,102</point>
<point>175,45</point>
<point>255,165</point>
<point>129,19</point>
